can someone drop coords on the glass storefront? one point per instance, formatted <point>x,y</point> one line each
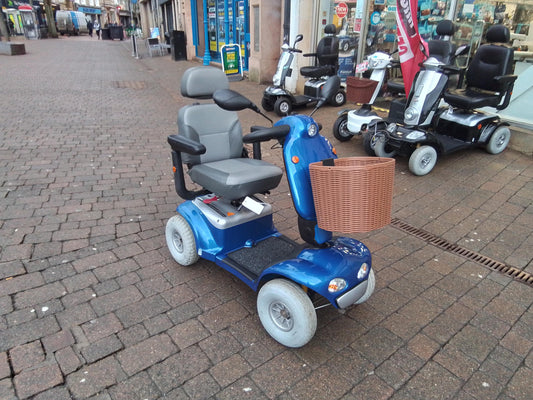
<point>226,27</point>
<point>471,17</point>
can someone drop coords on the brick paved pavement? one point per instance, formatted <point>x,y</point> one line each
<point>93,306</point>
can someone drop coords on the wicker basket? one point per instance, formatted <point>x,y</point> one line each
<point>359,90</point>
<point>354,195</point>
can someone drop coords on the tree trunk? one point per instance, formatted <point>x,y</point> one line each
<point>50,21</point>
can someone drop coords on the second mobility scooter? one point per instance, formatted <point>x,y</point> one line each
<point>429,130</point>
<point>278,99</point>
<point>228,222</point>
<point>354,122</point>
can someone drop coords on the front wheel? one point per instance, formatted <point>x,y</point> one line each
<point>423,160</point>
<point>370,286</point>
<point>180,241</point>
<point>499,140</point>
<point>340,129</point>
<point>338,99</point>
<point>282,106</point>
<point>369,141</point>
<point>286,312</point>
<point>382,148</point>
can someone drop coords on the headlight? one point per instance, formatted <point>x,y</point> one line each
<point>415,135</point>
<point>312,130</point>
<point>410,114</point>
<point>336,285</point>
<point>363,271</point>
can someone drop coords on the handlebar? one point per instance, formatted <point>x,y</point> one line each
<point>260,134</point>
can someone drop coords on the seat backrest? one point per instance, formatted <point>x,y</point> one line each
<point>490,60</point>
<point>443,49</point>
<point>217,129</point>
<point>327,49</point>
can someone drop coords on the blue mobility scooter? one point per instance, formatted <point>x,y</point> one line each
<point>228,222</point>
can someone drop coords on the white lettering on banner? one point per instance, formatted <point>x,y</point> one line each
<point>407,17</point>
<point>404,47</point>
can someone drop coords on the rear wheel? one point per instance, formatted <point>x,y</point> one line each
<point>282,106</point>
<point>286,312</point>
<point>423,160</point>
<point>499,140</point>
<point>382,148</point>
<point>180,241</point>
<point>338,99</point>
<point>340,129</point>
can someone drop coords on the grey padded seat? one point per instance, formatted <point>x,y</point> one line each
<point>221,169</point>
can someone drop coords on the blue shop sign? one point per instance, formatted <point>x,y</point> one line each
<point>88,10</point>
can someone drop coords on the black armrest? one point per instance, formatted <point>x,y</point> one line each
<point>264,134</point>
<point>310,55</point>
<point>182,144</point>
<point>506,84</point>
<point>503,81</point>
<point>451,69</point>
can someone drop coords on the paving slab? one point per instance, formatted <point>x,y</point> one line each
<point>93,306</point>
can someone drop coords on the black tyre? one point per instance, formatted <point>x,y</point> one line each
<point>267,104</point>
<point>283,106</point>
<point>368,143</point>
<point>338,99</point>
<point>340,129</point>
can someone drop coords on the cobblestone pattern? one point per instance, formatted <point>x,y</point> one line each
<point>93,307</point>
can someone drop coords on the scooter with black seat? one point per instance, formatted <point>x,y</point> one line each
<point>430,130</point>
<point>280,100</point>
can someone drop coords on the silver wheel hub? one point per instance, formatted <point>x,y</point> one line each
<point>284,107</point>
<point>425,161</point>
<point>281,316</point>
<point>177,241</point>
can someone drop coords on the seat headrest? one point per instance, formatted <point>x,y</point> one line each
<point>498,34</point>
<point>445,28</point>
<point>330,29</point>
<point>202,82</point>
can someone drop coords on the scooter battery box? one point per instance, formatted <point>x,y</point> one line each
<point>313,88</point>
<point>396,110</point>
<point>462,125</point>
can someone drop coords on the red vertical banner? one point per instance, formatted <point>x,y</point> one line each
<point>410,45</point>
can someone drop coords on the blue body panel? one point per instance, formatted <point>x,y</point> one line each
<point>308,149</point>
<point>213,243</point>
<point>313,267</point>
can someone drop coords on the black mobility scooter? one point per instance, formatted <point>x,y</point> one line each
<point>429,130</point>
<point>278,99</point>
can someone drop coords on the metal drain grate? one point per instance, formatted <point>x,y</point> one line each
<point>505,269</point>
<point>129,85</point>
